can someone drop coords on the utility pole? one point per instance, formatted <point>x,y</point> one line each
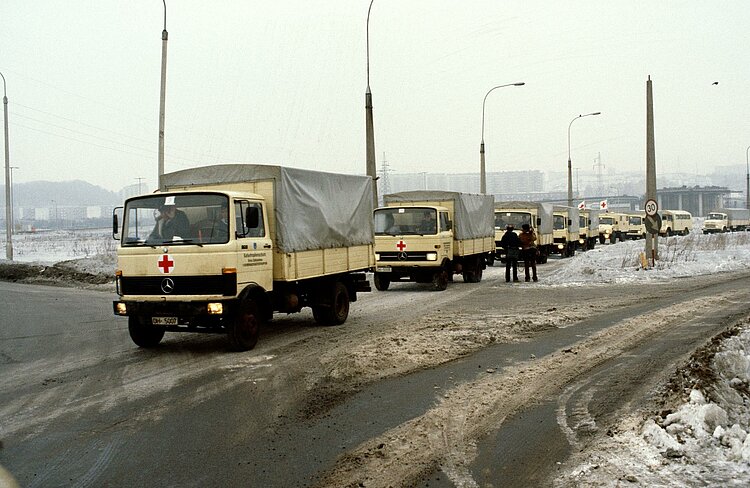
<point>652,240</point>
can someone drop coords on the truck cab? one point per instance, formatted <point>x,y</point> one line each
<point>636,227</point>
<point>565,230</point>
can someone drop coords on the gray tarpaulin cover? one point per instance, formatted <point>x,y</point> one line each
<point>313,209</point>
<point>473,217</point>
<point>544,211</point>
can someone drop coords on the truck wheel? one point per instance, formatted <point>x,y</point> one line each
<point>490,259</point>
<point>338,311</point>
<point>601,239</point>
<point>440,280</point>
<point>382,281</point>
<point>612,238</point>
<point>244,328</point>
<point>473,271</point>
<point>142,334</point>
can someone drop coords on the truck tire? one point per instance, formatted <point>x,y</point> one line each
<point>490,259</point>
<point>338,311</point>
<point>601,239</point>
<point>244,327</point>
<point>382,281</point>
<point>143,334</point>
<point>472,270</point>
<point>440,280</point>
<point>612,238</point>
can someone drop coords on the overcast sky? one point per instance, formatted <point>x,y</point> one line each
<point>283,82</point>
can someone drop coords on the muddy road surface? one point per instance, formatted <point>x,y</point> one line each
<point>418,388</point>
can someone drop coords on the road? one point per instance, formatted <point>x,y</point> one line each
<point>417,388</point>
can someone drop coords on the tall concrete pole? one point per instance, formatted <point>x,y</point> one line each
<point>482,172</point>
<point>652,241</point>
<point>369,130</point>
<point>162,95</point>
<point>8,210</point>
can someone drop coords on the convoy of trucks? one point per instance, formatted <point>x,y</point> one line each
<point>726,220</point>
<point>428,236</point>
<point>292,238</point>
<point>221,248</point>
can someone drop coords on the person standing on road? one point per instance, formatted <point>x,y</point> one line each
<point>512,244</point>
<point>528,250</point>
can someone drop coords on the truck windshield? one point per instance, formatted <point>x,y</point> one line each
<point>634,220</point>
<point>558,222</point>
<point>715,216</point>
<point>582,221</point>
<point>516,219</point>
<point>405,220</point>
<point>606,220</point>
<point>195,218</point>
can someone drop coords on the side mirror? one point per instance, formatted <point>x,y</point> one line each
<point>538,221</point>
<point>116,223</point>
<point>252,217</point>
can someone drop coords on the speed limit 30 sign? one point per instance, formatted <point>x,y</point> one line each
<point>651,207</point>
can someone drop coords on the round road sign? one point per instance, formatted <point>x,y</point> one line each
<point>652,223</point>
<point>651,207</point>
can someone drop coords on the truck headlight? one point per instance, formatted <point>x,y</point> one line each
<point>606,234</point>
<point>377,256</point>
<point>561,246</point>
<point>215,308</point>
<point>431,256</point>
<point>121,308</point>
<point>581,241</point>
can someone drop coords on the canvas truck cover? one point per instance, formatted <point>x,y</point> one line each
<point>312,209</point>
<point>473,214</point>
<point>736,213</point>
<point>544,210</point>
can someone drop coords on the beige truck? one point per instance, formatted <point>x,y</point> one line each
<point>428,236</point>
<point>612,226</point>
<point>222,248</point>
<point>636,227</point>
<point>537,215</point>
<point>588,228</point>
<point>565,227</point>
<point>726,220</point>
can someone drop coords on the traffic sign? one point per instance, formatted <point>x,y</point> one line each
<point>651,207</point>
<point>652,223</point>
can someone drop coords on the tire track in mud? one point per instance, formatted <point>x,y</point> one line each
<point>403,454</point>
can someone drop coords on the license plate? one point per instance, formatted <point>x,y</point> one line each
<point>383,269</point>
<point>164,320</point>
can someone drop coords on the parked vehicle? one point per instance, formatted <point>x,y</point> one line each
<point>677,222</point>
<point>726,220</point>
<point>253,240</point>
<point>588,228</point>
<point>537,215</point>
<point>612,226</point>
<point>565,230</point>
<point>636,227</point>
<point>428,236</point>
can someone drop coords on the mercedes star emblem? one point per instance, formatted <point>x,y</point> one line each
<point>167,285</point>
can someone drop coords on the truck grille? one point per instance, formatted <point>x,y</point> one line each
<point>225,285</point>
<point>403,256</point>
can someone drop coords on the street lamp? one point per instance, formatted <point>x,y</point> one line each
<point>369,130</point>
<point>8,212</point>
<point>747,187</point>
<point>570,166</point>
<point>482,173</point>
<point>162,95</point>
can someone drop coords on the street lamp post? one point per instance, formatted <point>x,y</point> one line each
<point>369,129</point>
<point>747,186</point>
<point>570,166</point>
<point>482,172</point>
<point>8,211</point>
<point>162,95</point>
<point>12,195</point>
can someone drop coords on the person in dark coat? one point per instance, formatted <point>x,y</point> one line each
<point>528,250</point>
<point>512,245</point>
<point>171,223</point>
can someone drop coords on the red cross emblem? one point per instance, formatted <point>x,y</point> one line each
<point>401,245</point>
<point>165,264</point>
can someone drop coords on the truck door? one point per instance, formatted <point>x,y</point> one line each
<point>254,246</point>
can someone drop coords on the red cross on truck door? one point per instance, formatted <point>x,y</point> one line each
<point>401,245</point>
<point>165,264</point>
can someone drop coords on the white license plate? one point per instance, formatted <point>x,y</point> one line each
<point>164,320</point>
<point>383,269</point>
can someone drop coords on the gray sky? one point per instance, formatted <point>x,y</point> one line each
<point>283,83</point>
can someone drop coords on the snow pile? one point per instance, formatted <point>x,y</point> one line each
<point>704,442</point>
